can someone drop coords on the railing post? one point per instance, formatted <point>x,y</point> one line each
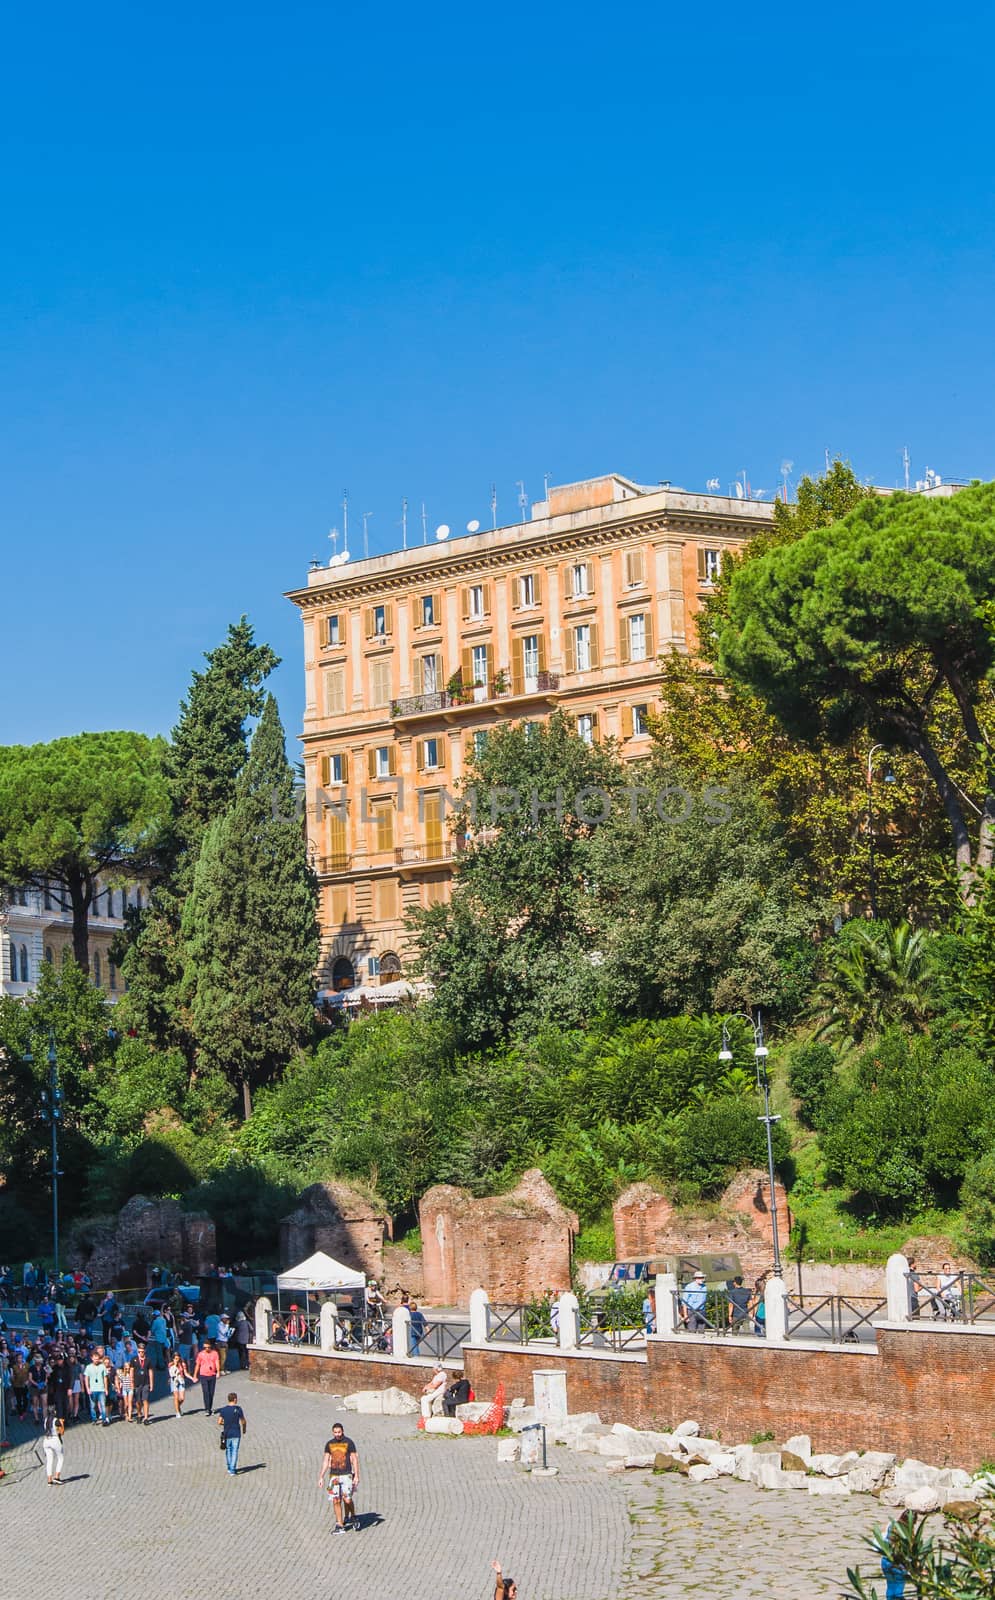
<point>328,1321</point>
<point>568,1321</point>
<point>479,1330</point>
<point>896,1278</point>
<point>665,1295</point>
<point>262,1315</point>
<point>776,1311</point>
<point>401,1333</point>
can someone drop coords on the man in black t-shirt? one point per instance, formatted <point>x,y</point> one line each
<point>341,1463</point>
<point>231,1421</point>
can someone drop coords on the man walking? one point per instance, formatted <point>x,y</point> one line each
<point>142,1384</point>
<point>341,1463</point>
<point>243,1338</point>
<point>206,1369</point>
<point>158,1339</point>
<point>95,1384</point>
<point>231,1421</point>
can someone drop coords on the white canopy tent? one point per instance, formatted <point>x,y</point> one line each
<point>320,1273</point>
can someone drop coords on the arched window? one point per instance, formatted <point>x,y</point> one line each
<point>111,974</point>
<point>96,967</point>
<point>343,974</point>
<point>24,963</point>
<point>390,967</point>
<point>49,957</point>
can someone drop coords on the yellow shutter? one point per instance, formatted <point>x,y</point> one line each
<point>388,619</point>
<point>420,754</point>
<point>568,581</point>
<point>466,667</point>
<point>337,843</point>
<point>626,647</point>
<point>416,612</point>
<point>439,669</point>
<point>432,812</point>
<point>595,727</point>
<point>569,652</point>
<point>392,759</point>
<point>633,568</point>
<point>486,598</point>
<point>590,576</point>
<point>371,762</point>
<point>626,722</point>
<point>326,771</point>
<point>649,635</point>
<point>537,586</point>
<point>440,746</point>
<point>702,567</point>
<point>437,609</point>
<point>595,653</point>
<point>464,601</point>
<point>345,768</point>
<point>370,624</point>
<point>468,749</point>
<point>417,675</point>
<point>542,653</point>
<point>517,665</point>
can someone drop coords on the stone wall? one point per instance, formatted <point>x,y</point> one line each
<point>117,1250</point>
<point>513,1245</point>
<point>338,1375</point>
<point>342,1222</point>
<point>646,1224</point>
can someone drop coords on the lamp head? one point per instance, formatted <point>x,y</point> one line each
<point>725,1054</point>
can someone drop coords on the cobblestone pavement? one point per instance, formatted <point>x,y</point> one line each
<point>152,1510</point>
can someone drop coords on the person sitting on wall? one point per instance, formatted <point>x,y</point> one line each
<point>458,1394</point>
<point>296,1325</point>
<point>277,1332</point>
<point>433,1394</point>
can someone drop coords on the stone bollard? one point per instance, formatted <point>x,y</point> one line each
<point>479,1302</point>
<point>401,1333</point>
<point>263,1313</point>
<point>896,1282</point>
<point>776,1309</point>
<point>568,1321</point>
<point>549,1391</point>
<point>665,1297</point>
<point>328,1326</point>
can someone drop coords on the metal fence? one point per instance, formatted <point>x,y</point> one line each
<point>837,1318</point>
<point>719,1313</point>
<point>609,1329</point>
<point>443,1340</point>
<point>951,1296</point>
<point>508,1323</point>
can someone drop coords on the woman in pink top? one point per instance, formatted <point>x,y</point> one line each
<point>206,1368</point>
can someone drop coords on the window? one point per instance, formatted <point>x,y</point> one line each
<point>96,967</point>
<point>428,610</point>
<point>582,648</point>
<point>709,564</point>
<point>385,900</point>
<point>334,634</point>
<point>430,754</point>
<point>390,967</point>
<point>381,761</point>
<point>587,727</point>
<point>49,956</point>
<point>581,580</point>
<point>432,816</point>
<point>527,590</point>
<point>640,721</point>
<point>380,683</point>
<point>333,691</point>
<point>530,658</point>
<point>379,622</point>
<point>479,664</point>
<point>339,900</point>
<point>111,975</point>
<point>637,637</point>
<point>634,577</point>
<point>532,730</point>
<point>383,820</point>
<point>343,974</point>
<point>478,742</point>
<point>338,843</point>
<point>334,770</point>
<point>431,672</point>
<point>47,897</point>
<point>476,601</point>
<point>435,892</point>
<point>373,966</point>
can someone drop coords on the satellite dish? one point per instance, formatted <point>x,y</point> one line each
<point>473,527</point>
<point>344,557</point>
<point>442,531</point>
<point>739,491</point>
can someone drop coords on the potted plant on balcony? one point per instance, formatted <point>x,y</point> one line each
<point>500,684</point>
<point>455,690</point>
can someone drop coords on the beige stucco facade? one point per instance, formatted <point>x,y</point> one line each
<point>411,657</point>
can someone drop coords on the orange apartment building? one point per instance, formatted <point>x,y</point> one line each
<point>411,658</point>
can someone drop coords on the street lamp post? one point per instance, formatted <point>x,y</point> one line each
<point>872,883</point>
<point>768,1119</point>
<point>51,1101</point>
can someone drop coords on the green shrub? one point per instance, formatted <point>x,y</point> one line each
<point>978,1201</point>
<point>811,1068</point>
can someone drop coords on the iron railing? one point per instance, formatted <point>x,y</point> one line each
<point>440,1339</point>
<point>508,1324</point>
<point>712,1317</point>
<point>837,1318</point>
<point>609,1329</point>
<point>951,1296</point>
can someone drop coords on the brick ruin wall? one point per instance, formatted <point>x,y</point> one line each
<point>514,1245</point>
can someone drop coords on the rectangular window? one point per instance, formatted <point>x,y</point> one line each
<point>527,589</point>
<point>112,975</point>
<point>479,665</point>
<point>335,770</point>
<point>582,648</point>
<point>334,636</point>
<point>709,565</point>
<point>379,683</point>
<point>428,610</point>
<point>429,674</point>
<point>381,761</point>
<point>333,691</point>
<point>431,754</point>
<point>340,905</point>
<point>434,834</point>
<point>384,906</point>
<point>479,741</point>
<point>379,621</point>
<point>338,848</point>
<point>578,575</point>
<point>530,660</point>
<point>587,726</point>
<point>476,611</point>
<point>633,569</point>
<point>383,819</point>
<point>637,637</point>
<point>639,721</point>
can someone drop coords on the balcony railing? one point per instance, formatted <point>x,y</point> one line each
<point>417,855</point>
<point>500,688</point>
<point>340,862</point>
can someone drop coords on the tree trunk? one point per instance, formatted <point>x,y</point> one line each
<point>966,874</point>
<point>246,1100</point>
<point>80,892</point>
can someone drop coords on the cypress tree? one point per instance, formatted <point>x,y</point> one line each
<point>249,923</point>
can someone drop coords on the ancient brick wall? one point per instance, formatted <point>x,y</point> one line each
<point>337,1374</point>
<point>116,1250</point>
<point>513,1245</point>
<point>646,1224</point>
<point>335,1218</point>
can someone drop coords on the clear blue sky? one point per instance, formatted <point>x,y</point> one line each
<point>254,255</point>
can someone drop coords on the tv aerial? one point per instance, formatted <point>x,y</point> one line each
<point>442,531</point>
<point>712,485</point>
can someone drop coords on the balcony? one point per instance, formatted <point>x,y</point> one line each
<point>452,705</point>
<point>328,866</point>
<point>413,858</point>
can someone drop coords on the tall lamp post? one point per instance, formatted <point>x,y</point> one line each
<point>872,882</point>
<point>768,1120</point>
<point>51,1104</point>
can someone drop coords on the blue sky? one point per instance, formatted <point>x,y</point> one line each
<point>253,256</point>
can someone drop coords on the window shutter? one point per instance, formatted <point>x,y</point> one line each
<point>333,683</point>
<point>633,568</point>
<point>345,768</point>
<point>437,609</point>
<point>388,619</point>
<point>370,624</point>
<point>595,728</point>
<point>542,653</point>
<point>569,651</point>
<point>416,621</point>
<point>626,722</point>
<point>466,667</point>
<point>337,843</point>
<point>537,586</point>
<point>648,624</point>
<point>439,679</point>
<point>590,576</point>
<point>468,749</point>
<point>486,598</point>
<point>517,665</point>
<point>420,754</point>
<point>464,601</point>
<point>702,567</point>
<point>371,761</point>
<point>568,581</point>
<point>417,675</point>
<point>326,771</point>
<point>626,642</point>
<point>392,759</point>
<point>595,653</point>
<point>440,746</point>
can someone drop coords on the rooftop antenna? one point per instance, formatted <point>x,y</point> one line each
<point>494,505</point>
<point>827,461</point>
<point>404,523</point>
<point>424,525</point>
<point>523,498</point>
<point>334,536</point>
<point>545,485</point>
<point>905,464</point>
<point>345,518</point>
<point>786,467</point>
<point>712,485</point>
<point>366,543</point>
